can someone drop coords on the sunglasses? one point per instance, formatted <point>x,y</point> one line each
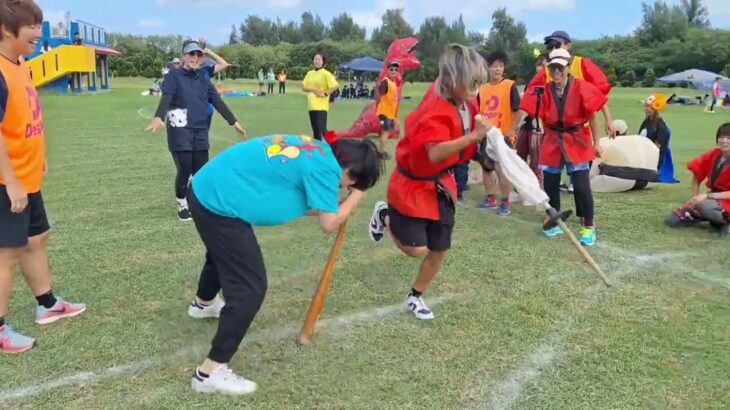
<point>554,44</point>
<point>556,67</point>
<point>393,69</point>
<point>196,53</point>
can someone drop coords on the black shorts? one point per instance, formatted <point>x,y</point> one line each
<point>485,161</point>
<point>187,139</point>
<point>15,229</point>
<point>386,124</point>
<point>419,232</point>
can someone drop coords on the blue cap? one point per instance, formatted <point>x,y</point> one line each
<point>191,46</point>
<point>559,35</point>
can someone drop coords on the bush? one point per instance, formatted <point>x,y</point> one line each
<point>649,78</point>
<point>628,79</point>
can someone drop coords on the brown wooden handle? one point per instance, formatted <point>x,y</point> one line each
<point>584,253</point>
<point>315,308</point>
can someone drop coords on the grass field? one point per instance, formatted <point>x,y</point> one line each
<point>521,322</point>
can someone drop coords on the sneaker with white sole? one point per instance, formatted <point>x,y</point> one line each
<point>60,310</point>
<point>418,307</point>
<point>376,229</point>
<point>223,381</point>
<point>198,311</point>
<point>12,342</point>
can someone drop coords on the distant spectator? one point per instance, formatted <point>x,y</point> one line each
<point>77,39</point>
<point>716,94</point>
<point>271,80</point>
<point>282,82</point>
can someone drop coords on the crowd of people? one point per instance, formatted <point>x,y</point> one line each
<point>227,196</point>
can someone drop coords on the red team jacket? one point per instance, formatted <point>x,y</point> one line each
<point>566,138</point>
<point>435,120</point>
<point>704,168</point>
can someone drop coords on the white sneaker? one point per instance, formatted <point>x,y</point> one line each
<point>416,305</point>
<point>199,311</point>
<point>376,229</point>
<point>224,381</point>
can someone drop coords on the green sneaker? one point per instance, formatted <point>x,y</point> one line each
<point>588,236</point>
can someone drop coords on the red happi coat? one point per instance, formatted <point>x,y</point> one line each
<point>435,120</point>
<point>566,138</point>
<point>589,71</point>
<point>704,168</point>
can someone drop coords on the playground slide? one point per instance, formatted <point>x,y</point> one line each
<point>61,61</point>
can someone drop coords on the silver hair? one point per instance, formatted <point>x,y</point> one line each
<point>460,66</point>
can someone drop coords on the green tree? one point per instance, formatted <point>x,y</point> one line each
<point>233,37</point>
<point>660,22</point>
<point>628,79</point>
<point>649,78</point>
<point>696,12</point>
<point>726,71</point>
<point>393,27</point>
<point>611,75</point>
<point>257,31</point>
<point>312,28</point>
<point>289,32</point>
<point>343,28</point>
<point>506,34</point>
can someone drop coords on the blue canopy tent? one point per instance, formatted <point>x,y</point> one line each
<point>699,79</point>
<point>365,63</point>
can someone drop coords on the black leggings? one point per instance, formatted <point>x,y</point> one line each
<point>187,164</point>
<point>282,88</point>
<point>581,192</point>
<point>271,88</point>
<point>318,119</point>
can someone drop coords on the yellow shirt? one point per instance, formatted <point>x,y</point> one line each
<point>324,80</point>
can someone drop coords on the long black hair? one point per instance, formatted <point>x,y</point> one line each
<point>722,131</point>
<point>362,160</point>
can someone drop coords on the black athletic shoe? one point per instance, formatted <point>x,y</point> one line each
<point>184,215</point>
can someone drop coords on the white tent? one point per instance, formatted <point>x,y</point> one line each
<point>696,78</point>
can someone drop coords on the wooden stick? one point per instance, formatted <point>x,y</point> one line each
<point>584,253</point>
<point>317,305</point>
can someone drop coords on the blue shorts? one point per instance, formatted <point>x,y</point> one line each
<point>569,167</point>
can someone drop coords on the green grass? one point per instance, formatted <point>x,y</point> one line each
<point>525,324</point>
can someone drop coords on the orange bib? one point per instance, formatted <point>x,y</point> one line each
<point>495,104</point>
<point>22,126</point>
<point>388,105</point>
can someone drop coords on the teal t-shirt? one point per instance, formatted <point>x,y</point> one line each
<point>270,180</point>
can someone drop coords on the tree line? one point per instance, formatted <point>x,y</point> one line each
<point>670,39</point>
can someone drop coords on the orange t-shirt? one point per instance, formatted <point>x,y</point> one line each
<point>495,103</point>
<point>388,104</point>
<point>22,125</point>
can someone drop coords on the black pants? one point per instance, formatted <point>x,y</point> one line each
<point>271,88</point>
<point>187,164</point>
<point>584,207</point>
<point>282,88</point>
<point>714,103</point>
<point>235,265</point>
<point>461,173</point>
<point>318,119</point>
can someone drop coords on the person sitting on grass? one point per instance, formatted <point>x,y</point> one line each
<point>265,181</point>
<point>714,207</point>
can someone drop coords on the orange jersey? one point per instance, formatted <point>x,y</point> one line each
<point>22,126</point>
<point>495,104</point>
<point>388,104</point>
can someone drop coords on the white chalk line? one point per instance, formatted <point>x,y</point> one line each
<point>508,391</point>
<point>141,113</point>
<point>266,336</point>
